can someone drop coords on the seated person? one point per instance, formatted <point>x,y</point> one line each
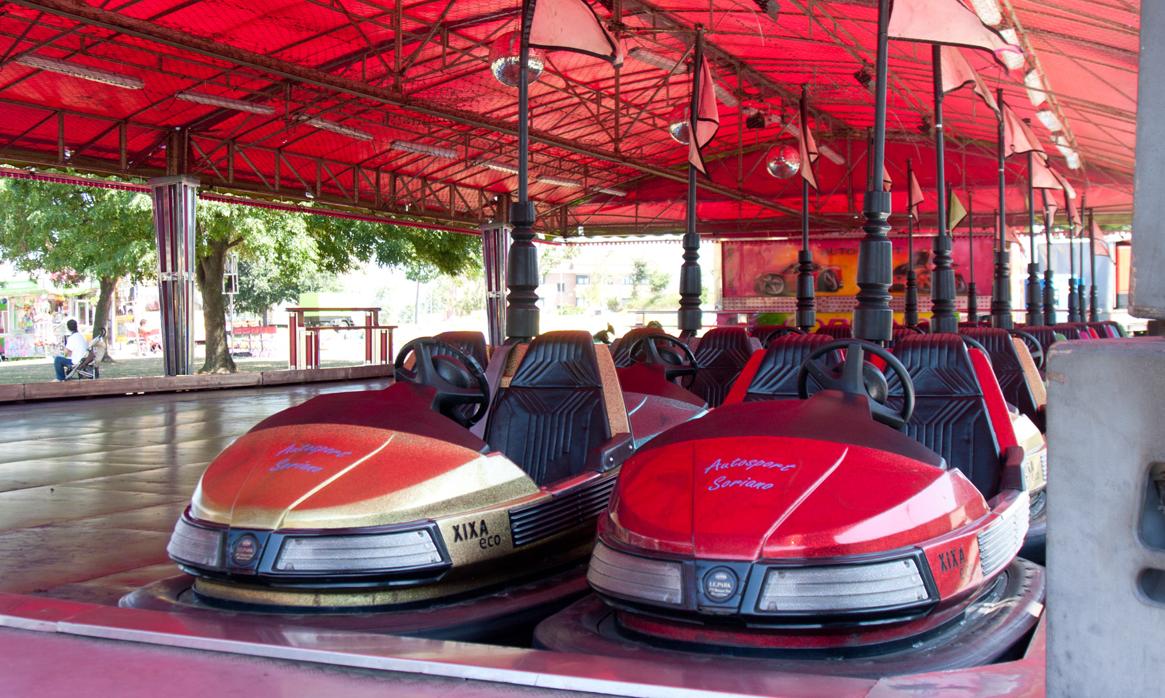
<point>75,346</point>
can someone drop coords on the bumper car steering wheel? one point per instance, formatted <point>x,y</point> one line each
<point>675,357</point>
<point>858,377</point>
<point>462,389</point>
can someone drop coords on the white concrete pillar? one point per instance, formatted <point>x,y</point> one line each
<point>1106,465</point>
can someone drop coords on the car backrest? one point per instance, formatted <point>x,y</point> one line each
<point>558,407</point>
<point>470,343</point>
<point>1104,330</point>
<point>836,331</point>
<point>776,376</point>
<point>1069,330</point>
<point>720,355</point>
<point>1045,335</point>
<point>950,411</point>
<point>1005,362</point>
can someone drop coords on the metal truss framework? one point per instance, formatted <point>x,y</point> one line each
<point>598,131</point>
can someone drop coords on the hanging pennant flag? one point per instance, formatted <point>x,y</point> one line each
<point>916,197</point>
<point>945,22</point>
<point>705,116</point>
<point>1073,214</point>
<point>1043,177</point>
<point>1069,192</point>
<point>571,25</point>
<point>955,211</point>
<point>887,182</point>
<point>957,72</point>
<point>1050,207</point>
<point>1018,138</point>
<point>1099,246</point>
<point>809,153</point>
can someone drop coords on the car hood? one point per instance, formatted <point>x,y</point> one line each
<point>328,476</point>
<point>784,498</point>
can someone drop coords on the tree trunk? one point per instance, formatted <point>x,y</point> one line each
<point>209,278</point>
<point>102,315</point>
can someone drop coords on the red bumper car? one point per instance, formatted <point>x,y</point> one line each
<point>798,532</point>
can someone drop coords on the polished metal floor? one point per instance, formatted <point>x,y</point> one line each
<point>90,489</point>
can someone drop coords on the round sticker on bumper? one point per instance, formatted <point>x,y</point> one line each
<point>245,549</point>
<point>720,584</point>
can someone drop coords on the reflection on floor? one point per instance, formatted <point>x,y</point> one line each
<point>90,489</point>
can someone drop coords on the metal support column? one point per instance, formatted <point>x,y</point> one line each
<point>174,201</point>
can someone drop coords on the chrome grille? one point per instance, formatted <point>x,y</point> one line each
<point>538,521</point>
<point>1002,539</point>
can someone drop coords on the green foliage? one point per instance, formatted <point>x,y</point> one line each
<point>76,233</point>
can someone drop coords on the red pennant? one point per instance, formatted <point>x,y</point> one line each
<point>1042,176</point>
<point>957,72</point>
<point>1099,246</point>
<point>571,25</point>
<point>1050,207</point>
<point>916,197</point>
<point>809,154</point>
<point>1017,137</point>
<point>705,117</point>
<point>945,22</point>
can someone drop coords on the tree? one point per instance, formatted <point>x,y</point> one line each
<point>300,245</point>
<point>77,233</point>
<point>103,234</point>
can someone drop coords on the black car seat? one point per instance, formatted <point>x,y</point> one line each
<point>836,331</point>
<point>900,332</point>
<point>1045,335</point>
<point>469,343</point>
<point>1008,370</point>
<point>775,377</point>
<point>621,347</point>
<point>720,356</point>
<point>950,410</point>
<point>1069,330</point>
<point>555,414</point>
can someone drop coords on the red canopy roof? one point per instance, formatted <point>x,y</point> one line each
<point>332,85</point>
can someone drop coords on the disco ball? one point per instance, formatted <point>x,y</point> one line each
<point>678,126</point>
<point>783,161</point>
<point>505,59</point>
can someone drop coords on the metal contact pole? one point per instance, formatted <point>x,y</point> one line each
<point>806,295</point>
<point>1033,295</point>
<point>944,318</point>
<point>1049,289</point>
<point>1001,286</point>
<point>690,315</point>
<point>873,318</point>
<point>972,297</point>
<point>1093,311</point>
<point>911,300</point>
<point>1082,308</point>
<point>1073,296</point>
<point>522,265</point>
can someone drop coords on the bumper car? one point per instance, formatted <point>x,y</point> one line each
<point>995,364</point>
<point>388,500</point>
<point>798,533</point>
